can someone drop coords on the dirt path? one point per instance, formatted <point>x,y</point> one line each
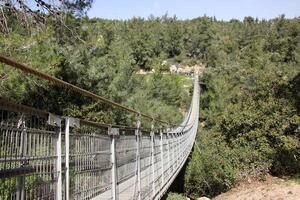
<point>271,189</point>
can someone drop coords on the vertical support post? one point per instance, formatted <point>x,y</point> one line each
<point>153,159</point>
<point>172,154</point>
<point>21,188</point>
<point>67,156</point>
<point>55,121</point>
<point>23,152</point>
<point>138,155</point>
<point>58,164</point>
<point>176,150</point>
<point>183,143</point>
<point>162,158</point>
<point>114,133</point>
<point>69,122</point>
<point>169,156</point>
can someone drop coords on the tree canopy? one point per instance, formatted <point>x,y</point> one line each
<point>250,100</point>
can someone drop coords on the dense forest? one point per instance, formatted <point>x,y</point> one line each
<point>250,98</point>
<point>250,105</point>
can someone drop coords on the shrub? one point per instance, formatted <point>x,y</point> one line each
<point>175,196</point>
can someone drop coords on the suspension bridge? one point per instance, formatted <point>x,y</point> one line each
<point>46,156</point>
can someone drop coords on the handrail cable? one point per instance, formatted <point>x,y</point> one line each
<point>13,106</point>
<point>57,81</point>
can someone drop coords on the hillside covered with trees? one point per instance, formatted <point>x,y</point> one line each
<point>250,106</point>
<point>250,100</point>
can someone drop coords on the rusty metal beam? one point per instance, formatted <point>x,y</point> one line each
<point>59,82</point>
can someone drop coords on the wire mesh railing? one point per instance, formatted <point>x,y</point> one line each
<point>28,154</point>
<point>44,156</point>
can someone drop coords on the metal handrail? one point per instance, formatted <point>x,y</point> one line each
<point>59,82</point>
<point>10,105</point>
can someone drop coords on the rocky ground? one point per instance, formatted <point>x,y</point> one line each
<point>272,188</point>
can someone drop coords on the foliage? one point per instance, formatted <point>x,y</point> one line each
<point>250,107</point>
<point>175,196</point>
<point>210,170</point>
<point>105,63</point>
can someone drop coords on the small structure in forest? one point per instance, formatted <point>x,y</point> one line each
<point>173,68</point>
<point>178,69</point>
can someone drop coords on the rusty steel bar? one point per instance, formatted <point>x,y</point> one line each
<point>14,106</point>
<point>75,88</point>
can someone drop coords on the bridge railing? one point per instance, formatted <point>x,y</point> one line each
<point>45,156</point>
<point>29,164</point>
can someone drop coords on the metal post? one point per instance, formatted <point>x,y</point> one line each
<point>169,156</point>
<point>179,151</point>
<point>23,152</point>
<point>182,145</point>
<point>173,152</point>
<point>70,122</point>
<point>56,122</point>
<point>176,150</point>
<point>152,159</point>
<point>138,155</point>
<point>113,132</point>
<point>58,164</point>
<point>162,157</point>
<point>67,152</point>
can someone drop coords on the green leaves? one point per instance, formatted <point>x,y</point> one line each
<point>250,103</point>
<point>210,171</point>
<point>250,106</point>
